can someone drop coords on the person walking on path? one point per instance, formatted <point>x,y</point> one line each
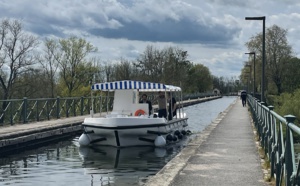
<point>244,98</point>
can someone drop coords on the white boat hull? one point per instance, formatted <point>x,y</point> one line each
<point>129,123</point>
<point>129,131</point>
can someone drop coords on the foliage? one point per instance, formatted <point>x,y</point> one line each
<point>49,63</point>
<point>287,103</point>
<point>290,81</point>
<point>278,52</point>
<point>16,57</point>
<point>25,87</point>
<point>199,79</point>
<point>73,64</point>
<point>150,65</point>
<point>169,66</point>
<point>82,81</point>
<point>123,70</point>
<point>226,85</point>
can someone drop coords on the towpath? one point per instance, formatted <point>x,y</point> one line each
<point>224,154</point>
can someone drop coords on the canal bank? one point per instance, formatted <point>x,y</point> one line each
<point>224,153</point>
<point>29,134</point>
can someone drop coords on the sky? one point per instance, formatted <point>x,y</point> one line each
<point>213,32</point>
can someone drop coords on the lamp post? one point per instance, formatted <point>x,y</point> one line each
<point>263,18</point>
<point>249,76</point>
<point>247,81</point>
<point>253,53</point>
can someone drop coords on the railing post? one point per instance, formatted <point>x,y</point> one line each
<point>25,109</point>
<point>255,112</point>
<point>269,131</point>
<point>37,111</point>
<point>288,149</point>
<point>81,105</point>
<point>47,110</point>
<point>11,113</point>
<point>257,116</point>
<point>74,108</point>
<point>57,107</point>
<point>260,124</point>
<point>272,141</point>
<point>264,128</point>
<point>100,105</point>
<point>67,107</point>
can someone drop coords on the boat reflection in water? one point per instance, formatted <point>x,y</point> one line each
<point>123,166</point>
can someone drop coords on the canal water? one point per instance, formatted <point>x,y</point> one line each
<point>65,163</point>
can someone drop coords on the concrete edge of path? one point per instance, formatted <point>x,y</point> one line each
<point>167,174</point>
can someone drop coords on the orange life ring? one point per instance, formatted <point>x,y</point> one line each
<point>139,112</point>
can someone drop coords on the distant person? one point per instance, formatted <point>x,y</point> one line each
<point>162,104</point>
<point>145,100</point>
<point>244,98</point>
<point>172,106</point>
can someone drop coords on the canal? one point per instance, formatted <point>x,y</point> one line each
<point>65,163</point>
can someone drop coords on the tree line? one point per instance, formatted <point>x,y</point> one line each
<point>66,67</point>
<point>282,69</point>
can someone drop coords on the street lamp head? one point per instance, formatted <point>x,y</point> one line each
<point>256,18</point>
<point>250,53</point>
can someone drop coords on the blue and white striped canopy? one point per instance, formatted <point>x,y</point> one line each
<point>129,84</point>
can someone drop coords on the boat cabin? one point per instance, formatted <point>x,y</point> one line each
<point>126,102</point>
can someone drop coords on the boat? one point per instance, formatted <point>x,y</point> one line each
<point>130,123</point>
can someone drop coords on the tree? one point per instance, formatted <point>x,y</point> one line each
<point>169,66</point>
<point>16,57</point>
<point>26,87</point>
<point>291,75</point>
<point>49,63</point>
<point>73,61</point>
<point>150,65</point>
<point>199,79</point>
<point>177,66</point>
<point>278,52</point>
<point>246,77</point>
<point>109,72</point>
<point>123,70</point>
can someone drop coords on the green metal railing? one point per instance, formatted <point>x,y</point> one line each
<point>17,111</point>
<point>30,110</point>
<point>277,135</point>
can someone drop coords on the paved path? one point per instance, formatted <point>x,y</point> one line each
<point>35,127</point>
<point>223,154</point>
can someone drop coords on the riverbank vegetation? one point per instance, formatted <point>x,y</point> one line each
<point>282,72</point>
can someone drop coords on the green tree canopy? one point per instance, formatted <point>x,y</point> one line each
<point>73,63</point>
<point>278,52</point>
<point>199,79</point>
